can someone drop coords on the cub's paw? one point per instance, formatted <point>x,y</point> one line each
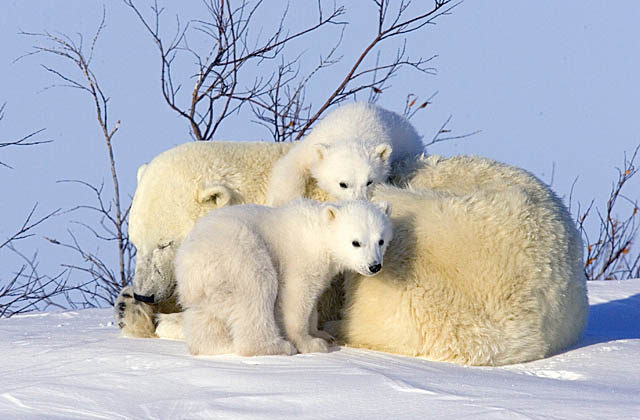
<point>313,345</point>
<point>279,347</point>
<point>286,348</point>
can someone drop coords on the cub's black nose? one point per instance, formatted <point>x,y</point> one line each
<point>375,268</point>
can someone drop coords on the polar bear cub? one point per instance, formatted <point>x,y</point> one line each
<point>249,276</point>
<point>346,153</point>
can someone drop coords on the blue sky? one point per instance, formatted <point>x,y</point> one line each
<point>549,84</point>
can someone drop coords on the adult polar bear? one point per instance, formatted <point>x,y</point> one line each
<point>249,276</point>
<point>348,152</point>
<point>485,267</point>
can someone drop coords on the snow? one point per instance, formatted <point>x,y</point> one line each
<point>75,365</point>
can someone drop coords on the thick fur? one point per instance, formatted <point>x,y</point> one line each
<point>347,153</point>
<point>540,231</point>
<point>245,270</point>
<point>181,185</point>
<point>485,269</point>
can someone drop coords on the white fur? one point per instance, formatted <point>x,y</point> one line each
<point>245,273</point>
<point>485,269</point>
<point>181,185</point>
<point>349,151</point>
<point>423,302</point>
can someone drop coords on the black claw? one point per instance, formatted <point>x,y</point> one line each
<point>122,306</point>
<point>127,295</point>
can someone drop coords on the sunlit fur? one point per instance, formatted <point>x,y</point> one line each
<point>249,276</point>
<point>485,268</point>
<point>353,146</point>
<point>458,234</point>
<point>181,185</point>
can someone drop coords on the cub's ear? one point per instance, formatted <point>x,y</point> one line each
<point>215,195</point>
<point>321,150</point>
<point>141,170</point>
<point>383,151</point>
<point>330,213</point>
<point>385,206</point>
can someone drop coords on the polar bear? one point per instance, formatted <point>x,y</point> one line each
<point>486,268</point>
<point>245,271</point>
<point>350,150</point>
<point>547,281</point>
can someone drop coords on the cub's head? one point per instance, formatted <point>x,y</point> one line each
<point>347,170</point>
<point>359,234</point>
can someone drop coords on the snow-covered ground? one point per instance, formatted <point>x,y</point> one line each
<point>74,365</point>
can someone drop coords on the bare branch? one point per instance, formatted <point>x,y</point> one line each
<point>611,255</point>
<point>443,133</point>
<point>27,226</point>
<point>398,27</point>
<point>412,106</point>
<point>27,290</point>
<point>112,220</point>
<point>215,96</point>
<point>24,141</point>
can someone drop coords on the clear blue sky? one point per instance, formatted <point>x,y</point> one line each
<point>548,83</point>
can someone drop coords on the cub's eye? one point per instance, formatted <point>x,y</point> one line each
<point>381,242</point>
<point>343,185</point>
<point>369,183</point>
<point>356,244</point>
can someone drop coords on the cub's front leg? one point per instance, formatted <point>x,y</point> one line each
<point>297,300</point>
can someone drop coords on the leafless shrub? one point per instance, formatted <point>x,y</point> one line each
<point>611,255</point>
<point>278,101</point>
<point>218,70</point>
<point>398,26</point>
<point>26,289</point>
<point>103,284</point>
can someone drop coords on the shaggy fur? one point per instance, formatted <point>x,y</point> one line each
<point>483,253</point>
<point>349,151</point>
<point>181,185</point>
<point>236,261</point>
<point>489,278</point>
